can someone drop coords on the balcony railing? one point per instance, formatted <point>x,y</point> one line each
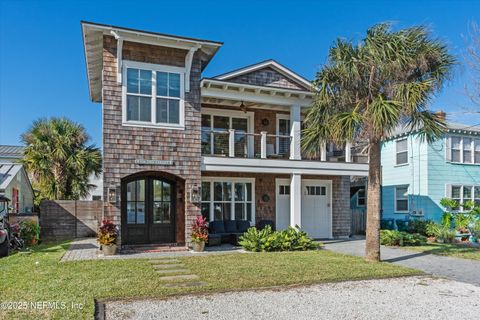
<point>240,144</point>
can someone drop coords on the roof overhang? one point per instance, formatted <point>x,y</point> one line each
<point>92,34</point>
<point>220,89</point>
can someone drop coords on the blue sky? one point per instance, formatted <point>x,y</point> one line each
<point>42,67</point>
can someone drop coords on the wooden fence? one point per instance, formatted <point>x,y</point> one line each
<point>359,221</point>
<point>67,219</point>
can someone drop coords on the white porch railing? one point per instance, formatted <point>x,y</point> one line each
<point>240,144</point>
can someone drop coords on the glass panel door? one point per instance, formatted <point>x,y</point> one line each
<point>283,130</point>
<point>220,139</point>
<point>241,128</point>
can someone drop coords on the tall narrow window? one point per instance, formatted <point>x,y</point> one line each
<point>467,150</point>
<point>139,95</point>
<point>222,196</point>
<point>401,199</point>
<point>243,201</point>
<point>457,195</point>
<point>168,97</point>
<point>136,202</point>
<point>477,151</point>
<point>206,199</point>
<point>401,151</point>
<point>456,149</point>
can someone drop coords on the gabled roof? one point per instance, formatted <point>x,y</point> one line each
<point>303,83</point>
<point>11,151</point>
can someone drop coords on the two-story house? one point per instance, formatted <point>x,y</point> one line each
<point>176,145</point>
<point>417,175</point>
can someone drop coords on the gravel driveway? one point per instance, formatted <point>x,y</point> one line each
<point>398,298</point>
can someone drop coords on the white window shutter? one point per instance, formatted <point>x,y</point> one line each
<point>448,191</point>
<point>448,149</point>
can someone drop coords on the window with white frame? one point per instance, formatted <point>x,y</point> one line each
<point>463,193</point>
<point>464,150</point>
<point>401,147</point>
<point>361,198</point>
<point>227,199</point>
<point>401,199</point>
<point>153,95</point>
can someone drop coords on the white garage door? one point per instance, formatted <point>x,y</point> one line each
<point>316,214</point>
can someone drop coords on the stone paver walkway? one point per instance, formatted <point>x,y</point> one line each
<point>464,270</point>
<point>88,249</point>
<point>175,274</point>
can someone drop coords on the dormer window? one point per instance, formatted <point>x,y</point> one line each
<point>153,95</point>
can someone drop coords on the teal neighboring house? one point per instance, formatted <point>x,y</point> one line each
<point>416,175</point>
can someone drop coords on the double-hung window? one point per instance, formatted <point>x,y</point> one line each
<point>464,150</point>
<point>401,199</point>
<point>401,147</point>
<point>463,193</point>
<point>153,95</point>
<point>228,199</point>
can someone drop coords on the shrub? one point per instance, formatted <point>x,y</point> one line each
<point>30,231</point>
<point>200,230</point>
<point>441,232</point>
<point>401,238</point>
<point>268,240</point>
<point>419,226</point>
<point>107,233</point>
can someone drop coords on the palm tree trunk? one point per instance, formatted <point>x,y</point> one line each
<point>372,249</point>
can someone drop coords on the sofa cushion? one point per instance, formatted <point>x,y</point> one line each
<point>230,226</point>
<point>216,227</point>
<point>243,225</point>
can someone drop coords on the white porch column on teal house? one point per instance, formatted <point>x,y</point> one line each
<point>295,128</point>
<point>296,200</point>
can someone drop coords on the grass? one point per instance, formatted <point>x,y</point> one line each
<point>448,249</point>
<point>39,277</point>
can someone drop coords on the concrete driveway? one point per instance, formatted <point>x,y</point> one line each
<point>454,268</point>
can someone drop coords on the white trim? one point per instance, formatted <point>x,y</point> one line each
<point>280,116</point>
<point>250,116</point>
<point>278,182</point>
<point>395,199</point>
<point>258,94</point>
<point>188,66</point>
<point>154,68</point>
<point>269,63</point>
<point>397,152</point>
<point>232,180</point>
<point>283,166</point>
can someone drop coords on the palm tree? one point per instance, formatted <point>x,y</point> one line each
<point>57,157</point>
<point>368,89</point>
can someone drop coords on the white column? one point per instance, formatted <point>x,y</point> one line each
<point>263,144</point>
<point>231,143</point>
<point>323,151</point>
<point>348,152</point>
<point>295,128</point>
<point>296,200</point>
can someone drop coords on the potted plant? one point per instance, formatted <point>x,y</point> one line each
<point>199,234</point>
<point>30,232</point>
<point>107,237</point>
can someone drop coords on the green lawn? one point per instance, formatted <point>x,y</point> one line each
<point>40,276</point>
<point>447,249</point>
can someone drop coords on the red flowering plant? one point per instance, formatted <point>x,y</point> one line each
<point>108,233</point>
<point>200,230</point>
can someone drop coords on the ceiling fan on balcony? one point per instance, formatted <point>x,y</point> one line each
<point>244,107</point>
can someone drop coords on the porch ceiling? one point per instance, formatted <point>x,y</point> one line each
<point>262,95</point>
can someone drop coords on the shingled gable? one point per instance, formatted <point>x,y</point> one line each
<point>267,73</point>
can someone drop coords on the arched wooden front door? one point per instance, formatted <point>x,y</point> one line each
<point>148,210</point>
